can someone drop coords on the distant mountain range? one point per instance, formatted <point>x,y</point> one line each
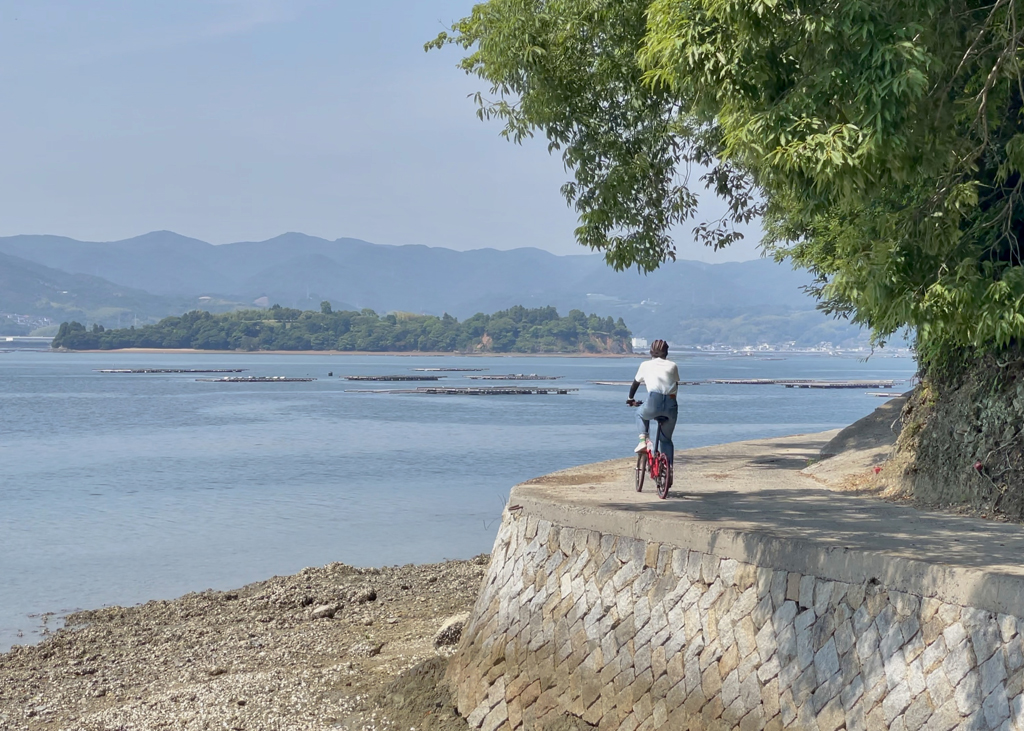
<point>27,287</point>
<point>163,273</point>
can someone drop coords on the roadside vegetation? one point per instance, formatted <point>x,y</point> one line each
<point>880,143</point>
<point>516,330</point>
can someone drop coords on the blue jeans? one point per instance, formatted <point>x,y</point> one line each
<point>659,406</point>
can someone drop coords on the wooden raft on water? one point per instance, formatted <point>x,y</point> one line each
<point>393,378</point>
<point>257,379</point>
<point>515,377</point>
<point>787,382</point>
<point>799,383</point>
<point>629,383</point>
<point>450,370</point>
<point>473,391</point>
<point>170,370</point>
<point>841,384</point>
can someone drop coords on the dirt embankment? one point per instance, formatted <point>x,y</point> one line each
<point>955,443</point>
<point>328,648</point>
<point>962,442</point>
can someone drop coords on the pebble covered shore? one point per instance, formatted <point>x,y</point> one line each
<point>329,648</point>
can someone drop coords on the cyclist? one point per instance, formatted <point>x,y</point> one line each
<point>661,376</point>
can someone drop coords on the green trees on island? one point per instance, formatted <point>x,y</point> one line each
<point>880,141</point>
<point>516,330</point>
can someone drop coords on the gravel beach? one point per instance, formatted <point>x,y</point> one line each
<point>335,647</point>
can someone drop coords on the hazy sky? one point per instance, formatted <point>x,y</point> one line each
<point>232,120</point>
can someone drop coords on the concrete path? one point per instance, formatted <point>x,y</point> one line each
<point>754,498</point>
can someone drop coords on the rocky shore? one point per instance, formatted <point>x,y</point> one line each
<point>335,647</point>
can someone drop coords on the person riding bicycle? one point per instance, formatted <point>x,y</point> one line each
<point>661,376</point>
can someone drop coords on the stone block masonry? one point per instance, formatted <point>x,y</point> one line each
<point>630,634</point>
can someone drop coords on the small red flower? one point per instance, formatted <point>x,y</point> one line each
<point>877,470</point>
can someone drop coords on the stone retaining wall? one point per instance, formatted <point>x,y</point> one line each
<point>629,633</point>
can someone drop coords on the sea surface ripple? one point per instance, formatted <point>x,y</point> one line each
<point>117,489</point>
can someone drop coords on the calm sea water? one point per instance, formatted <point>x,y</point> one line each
<point>117,489</point>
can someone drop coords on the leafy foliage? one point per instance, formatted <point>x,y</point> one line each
<point>516,330</point>
<point>569,69</point>
<point>884,138</point>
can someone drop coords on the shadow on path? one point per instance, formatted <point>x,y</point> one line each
<point>837,519</point>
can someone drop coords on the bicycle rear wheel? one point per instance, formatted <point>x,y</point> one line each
<point>664,479</point>
<point>641,470</point>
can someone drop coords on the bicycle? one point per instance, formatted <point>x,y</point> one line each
<point>654,462</point>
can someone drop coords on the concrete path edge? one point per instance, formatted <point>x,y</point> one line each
<point>958,585</point>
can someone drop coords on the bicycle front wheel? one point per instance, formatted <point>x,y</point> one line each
<point>664,478</point>
<point>641,470</point>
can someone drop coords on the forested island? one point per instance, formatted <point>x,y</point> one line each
<point>516,330</point>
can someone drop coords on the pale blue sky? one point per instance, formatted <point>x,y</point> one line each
<point>232,120</point>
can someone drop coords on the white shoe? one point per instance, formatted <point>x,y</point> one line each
<point>642,446</point>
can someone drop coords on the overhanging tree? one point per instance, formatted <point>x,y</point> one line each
<point>881,141</point>
<point>569,70</point>
<point>883,138</point>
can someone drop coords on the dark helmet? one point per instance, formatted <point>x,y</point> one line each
<point>659,349</point>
